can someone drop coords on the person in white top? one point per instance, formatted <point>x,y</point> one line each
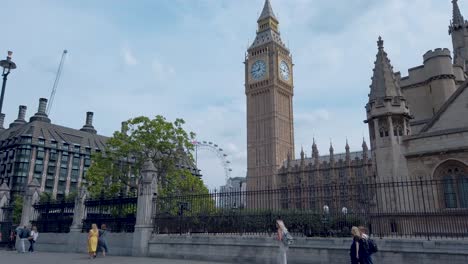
<point>283,249</point>
<point>32,238</point>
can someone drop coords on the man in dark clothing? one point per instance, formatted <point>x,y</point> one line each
<point>23,235</point>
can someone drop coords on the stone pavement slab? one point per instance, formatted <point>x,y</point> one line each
<point>72,258</point>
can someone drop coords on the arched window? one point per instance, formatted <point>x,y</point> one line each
<point>463,191</point>
<point>450,196</point>
<point>454,176</point>
<point>383,128</point>
<point>397,127</point>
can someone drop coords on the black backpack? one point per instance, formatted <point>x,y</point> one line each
<point>372,246</point>
<point>24,233</point>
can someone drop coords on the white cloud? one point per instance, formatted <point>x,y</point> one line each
<point>129,57</point>
<point>312,117</point>
<point>332,43</point>
<point>162,71</point>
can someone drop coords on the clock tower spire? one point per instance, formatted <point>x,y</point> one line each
<point>269,93</point>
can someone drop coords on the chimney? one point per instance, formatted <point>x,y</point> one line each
<point>41,114</point>
<point>124,128</point>
<point>2,120</point>
<point>21,120</point>
<point>42,106</point>
<point>22,112</point>
<point>88,127</point>
<point>89,118</point>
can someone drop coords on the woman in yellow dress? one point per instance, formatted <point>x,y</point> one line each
<point>93,240</point>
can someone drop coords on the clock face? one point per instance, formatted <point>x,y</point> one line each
<point>284,70</point>
<point>258,69</point>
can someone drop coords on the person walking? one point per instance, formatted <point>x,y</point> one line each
<point>23,236</point>
<point>283,245</point>
<point>33,238</point>
<point>102,241</point>
<point>93,241</point>
<point>18,233</point>
<point>371,245</point>
<point>13,235</point>
<point>359,251</point>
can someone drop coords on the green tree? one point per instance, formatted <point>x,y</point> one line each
<point>17,209</point>
<point>183,187</point>
<point>165,143</point>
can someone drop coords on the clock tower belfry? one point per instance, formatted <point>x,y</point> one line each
<point>269,92</point>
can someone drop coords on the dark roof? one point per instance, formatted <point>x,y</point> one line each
<point>52,132</point>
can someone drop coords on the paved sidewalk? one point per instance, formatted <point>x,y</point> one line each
<point>72,258</point>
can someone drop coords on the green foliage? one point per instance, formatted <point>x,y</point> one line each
<point>45,197</point>
<point>164,142</point>
<point>17,209</point>
<point>183,187</point>
<point>123,211</point>
<point>70,197</point>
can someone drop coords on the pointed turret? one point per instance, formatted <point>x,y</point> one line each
<point>459,37</point>
<point>365,149</point>
<point>332,151</point>
<point>384,83</point>
<point>386,110</point>
<point>314,148</point>
<point>364,145</point>
<point>302,157</point>
<point>348,155</point>
<point>315,153</point>
<point>267,12</point>
<point>457,18</point>
<point>268,30</point>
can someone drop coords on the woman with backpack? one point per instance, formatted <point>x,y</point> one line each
<point>102,241</point>
<point>359,251</point>
<point>285,239</point>
<point>372,246</point>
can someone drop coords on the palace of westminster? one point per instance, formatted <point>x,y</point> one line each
<point>418,126</point>
<point>417,123</point>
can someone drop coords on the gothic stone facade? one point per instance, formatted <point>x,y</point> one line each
<point>418,128</point>
<point>269,92</point>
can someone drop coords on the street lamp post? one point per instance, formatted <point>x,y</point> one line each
<point>7,66</point>
<point>346,226</point>
<point>326,212</point>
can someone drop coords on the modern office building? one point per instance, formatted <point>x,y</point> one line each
<point>57,156</point>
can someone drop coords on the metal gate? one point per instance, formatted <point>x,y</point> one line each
<point>6,224</point>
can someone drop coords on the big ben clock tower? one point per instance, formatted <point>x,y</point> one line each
<point>269,92</point>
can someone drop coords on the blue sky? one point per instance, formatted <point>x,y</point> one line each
<point>183,58</point>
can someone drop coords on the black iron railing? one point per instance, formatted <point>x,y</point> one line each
<point>117,213</point>
<point>424,208</point>
<point>6,224</point>
<point>53,216</point>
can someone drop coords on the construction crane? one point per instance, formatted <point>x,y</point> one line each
<point>57,78</point>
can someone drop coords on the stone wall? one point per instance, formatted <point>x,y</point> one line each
<point>305,250</point>
<point>264,250</point>
<point>118,243</point>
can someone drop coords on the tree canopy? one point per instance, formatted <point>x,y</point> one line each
<point>165,143</point>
